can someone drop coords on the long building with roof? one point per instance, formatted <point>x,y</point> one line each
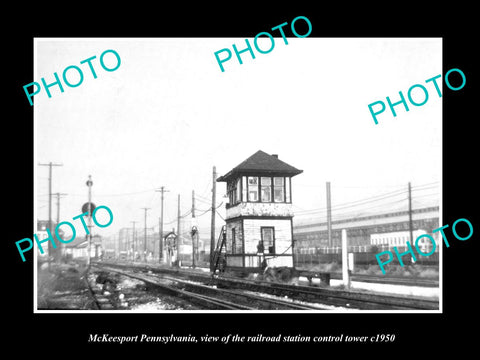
<point>365,231</point>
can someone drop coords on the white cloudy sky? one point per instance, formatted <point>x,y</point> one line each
<point>168,114</point>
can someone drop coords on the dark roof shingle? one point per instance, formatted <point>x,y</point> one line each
<point>262,163</point>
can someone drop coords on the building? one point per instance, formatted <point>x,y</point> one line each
<point>259,214</point>
<point>368,230</point>
<point>42,234</point>
<point>367,236</point>
<point>78,248</point>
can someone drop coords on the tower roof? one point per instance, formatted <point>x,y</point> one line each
<point>261,163</point>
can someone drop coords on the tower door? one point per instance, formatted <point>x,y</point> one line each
<point>268,239</point>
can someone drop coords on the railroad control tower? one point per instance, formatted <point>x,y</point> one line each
<point>259,213</point>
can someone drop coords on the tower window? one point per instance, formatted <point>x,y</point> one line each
<point>266,189</point>
<point>279,189</point>
<point>252,188</point>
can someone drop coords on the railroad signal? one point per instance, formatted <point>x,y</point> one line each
<point>88,209</point>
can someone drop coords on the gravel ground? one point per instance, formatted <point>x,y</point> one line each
<point>63,287</point>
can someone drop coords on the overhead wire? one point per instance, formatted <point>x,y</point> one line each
<point>371,199</point>
<point>357,208</point>
<point>358,202</point>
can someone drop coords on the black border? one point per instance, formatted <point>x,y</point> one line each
<point>415,333</point>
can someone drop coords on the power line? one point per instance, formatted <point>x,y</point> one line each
<point>352,212</point>
<point>203,212</point>
<point>202,196</point>
<point>371,198</point>
<point>427,184</point>
<point>349,208</point>
<point>121,194</point>
<point>364,210</point>
<point>221,217</point>
<point>186,214</point>
<point>359,202</point>
<point>201,200</point>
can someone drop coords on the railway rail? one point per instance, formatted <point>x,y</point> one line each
<point>381,279</point>
<point>211,297</point>
<point>335,297</point>
<point>312,295</point>
<point>99,300</point>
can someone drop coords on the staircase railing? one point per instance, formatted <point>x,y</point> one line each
<point>217,255</point>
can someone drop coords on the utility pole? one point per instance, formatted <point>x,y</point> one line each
<point>345,267</point>
<point>177,239</point>
<point>193,203</point>
<point>89,184</point>
<point>194,228</point>
<point>117,251</point>
<point>145,236</point>
<point>410,220</point>
<point>133,240</point>
<point>50,228</point>
<point>58,220</point>
<point>160,229</point>
<point>329,215</point>
<point>58,205</point>
<point>212,227</point>
<point>127,243</point>
<point>119,244</point>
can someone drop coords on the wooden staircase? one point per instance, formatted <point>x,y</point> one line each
<point>219,259</point>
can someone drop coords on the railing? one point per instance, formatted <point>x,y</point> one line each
<point>217,254</point>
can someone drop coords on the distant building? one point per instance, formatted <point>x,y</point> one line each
<point>42,234</point>
<point>78,248</point>
<point>390,229</point>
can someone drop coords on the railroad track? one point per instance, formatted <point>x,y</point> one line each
<point>197,299</point>
<point>407,281</point>
<point>316,295</point>
<point>334,297</point>
<point>241,296</point>
<point>99,300</point>
<point>208,297</point>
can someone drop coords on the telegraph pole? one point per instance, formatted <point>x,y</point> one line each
<point>160,229</point>
<point>89,184</point>
<point>194,228</point>
<point>133,240</point>
<point>58,205</point>
<point>145,236</point>
<point>58,217</point>
<point>177,239</point>
<point>193,203</point>
<point>127,245</point>
<point>345,267</point>
<point>50,248</point>
<point>212,229</point>
<point>410,220</point>
<point>329,215</point>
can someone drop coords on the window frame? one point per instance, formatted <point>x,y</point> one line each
<point>269,187</point>
<point>283,187</point>
<point>257,187</point>
<point>246,187</point>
